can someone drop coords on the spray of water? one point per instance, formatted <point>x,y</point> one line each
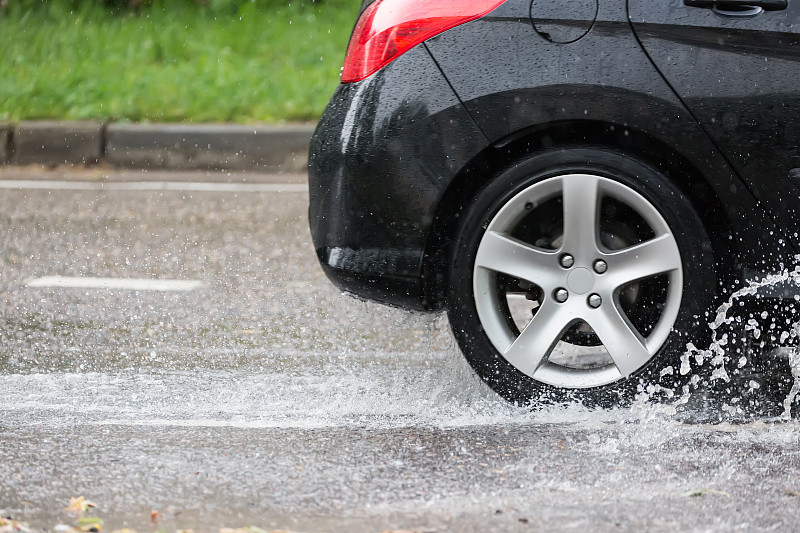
<point>794,364</point>
<point>741,339</point>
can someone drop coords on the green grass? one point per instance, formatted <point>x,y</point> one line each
<point>263,61</point>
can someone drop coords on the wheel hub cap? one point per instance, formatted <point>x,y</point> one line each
<point>580,280</point>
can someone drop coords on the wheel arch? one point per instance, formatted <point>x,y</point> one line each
<point>636,143</point>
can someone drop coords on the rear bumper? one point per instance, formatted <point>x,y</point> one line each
<point>383,153</point>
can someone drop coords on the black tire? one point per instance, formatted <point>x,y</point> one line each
<point>647,312</point>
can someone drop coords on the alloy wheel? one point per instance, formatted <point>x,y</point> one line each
<point>600,271</point>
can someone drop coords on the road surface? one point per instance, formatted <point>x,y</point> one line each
<point>169,344</point>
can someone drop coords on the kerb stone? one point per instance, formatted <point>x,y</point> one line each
<point>208,146</point>
<point>57,142</point>
<point>5,142</point>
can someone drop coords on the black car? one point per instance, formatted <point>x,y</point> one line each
<point>579,183</point>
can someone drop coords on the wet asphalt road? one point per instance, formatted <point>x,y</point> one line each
<point>265,397</point>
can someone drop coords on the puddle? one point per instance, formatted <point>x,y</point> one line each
<point>337,408</point>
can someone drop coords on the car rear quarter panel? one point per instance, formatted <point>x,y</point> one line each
<point>513,81</point>
<point>383,153</point>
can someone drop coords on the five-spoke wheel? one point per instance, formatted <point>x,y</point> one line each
<point>571,273</point>
<point>581,281</point>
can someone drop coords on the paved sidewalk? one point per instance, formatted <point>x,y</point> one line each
<point>259,148</point>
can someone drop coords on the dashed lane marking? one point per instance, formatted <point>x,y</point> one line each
<point>114,283</point>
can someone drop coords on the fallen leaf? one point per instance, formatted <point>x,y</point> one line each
<point>78,506</point>
<point>8,525</point>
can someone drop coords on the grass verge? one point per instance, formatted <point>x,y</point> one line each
<point>263,61</point>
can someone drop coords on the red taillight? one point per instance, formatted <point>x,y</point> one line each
<point>389,28</point>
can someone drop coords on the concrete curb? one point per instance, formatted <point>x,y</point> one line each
<point>180,146</point>
<point>5,142</point>
<point>278,148</point>
<point>56,143</point>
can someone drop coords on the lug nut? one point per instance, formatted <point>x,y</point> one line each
<point>561,295</point>
<point>594,301</point>
<point>600,266</point>
<point>567,260</point>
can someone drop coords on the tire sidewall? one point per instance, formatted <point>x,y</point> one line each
<point>699,280</point>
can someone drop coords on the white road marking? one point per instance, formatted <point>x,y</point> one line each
<point>192,186</point>
<point>114,283</point>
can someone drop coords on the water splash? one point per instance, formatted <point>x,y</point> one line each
<point>739,338</point>
<point>794,364</point>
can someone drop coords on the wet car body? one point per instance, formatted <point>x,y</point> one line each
<point>707,96</point>
<point>404,134</point>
